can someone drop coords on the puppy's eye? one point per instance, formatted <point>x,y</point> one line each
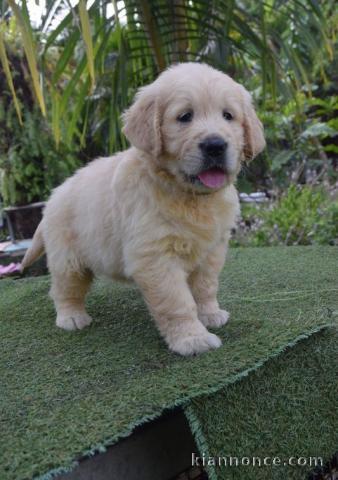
<point>185,117</point>
<point>227,115</point>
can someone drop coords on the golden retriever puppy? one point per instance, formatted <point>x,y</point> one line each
<point>160,213</point>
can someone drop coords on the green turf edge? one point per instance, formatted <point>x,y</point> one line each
<point>192,420</point>
<point>196,426</point>
<point>194,423</point>
<point>201,442</point>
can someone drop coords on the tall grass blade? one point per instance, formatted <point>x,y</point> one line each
<point>29,47</point>
<point>5,65</point>
<point>87,38</point>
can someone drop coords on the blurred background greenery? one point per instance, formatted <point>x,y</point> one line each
<point>66,76</point>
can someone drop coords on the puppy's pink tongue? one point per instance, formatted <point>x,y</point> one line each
<point>213,178</point>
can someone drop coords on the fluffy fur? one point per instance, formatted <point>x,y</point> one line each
<point>143,215</point>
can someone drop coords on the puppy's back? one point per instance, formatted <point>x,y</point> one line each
<point>74,212</point>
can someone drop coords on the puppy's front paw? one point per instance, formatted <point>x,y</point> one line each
<point>73,320</point>
<point>216,319</point>
<point>193,344</point>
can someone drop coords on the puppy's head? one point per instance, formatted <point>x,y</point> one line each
<point>197,124</point>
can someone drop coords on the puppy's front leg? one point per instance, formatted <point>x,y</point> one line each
<point>166,291</point>
<point>204,287</point>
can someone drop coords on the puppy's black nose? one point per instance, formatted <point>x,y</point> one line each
<point>213,146</point>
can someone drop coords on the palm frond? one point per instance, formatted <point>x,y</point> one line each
<point>30,51</point>
<point>87,38</point>
<point>101,61</point>
<point>7,72</point>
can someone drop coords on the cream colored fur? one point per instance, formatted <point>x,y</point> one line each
<point>134,215</point>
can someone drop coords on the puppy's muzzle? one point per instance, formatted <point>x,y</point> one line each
<point>213,149</point>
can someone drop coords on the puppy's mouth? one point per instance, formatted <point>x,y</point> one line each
<point>212,178</point>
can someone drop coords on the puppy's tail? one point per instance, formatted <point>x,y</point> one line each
<point>35,250</point>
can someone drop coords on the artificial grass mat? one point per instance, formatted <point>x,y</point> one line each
<point>286,409</point>
<point>69,394</point>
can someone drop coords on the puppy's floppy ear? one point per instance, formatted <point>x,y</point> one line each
<point>254,141</point>
<point>142,121</point>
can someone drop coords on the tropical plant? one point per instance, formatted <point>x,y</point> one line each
<point>302,147</point>
<point>104,56</point>
<point>30,164</point>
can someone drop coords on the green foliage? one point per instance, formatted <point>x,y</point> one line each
<point>103,57</point>
<point>91,63</point>
<point>30,162</point>
<point>302,216</point>
<point>30,165</point>
<point>302,130</point>
<point>302,139</point>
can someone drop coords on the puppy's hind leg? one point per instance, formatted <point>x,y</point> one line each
<point>68,292</point>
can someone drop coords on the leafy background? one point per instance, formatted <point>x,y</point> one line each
<point>65,80</point>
